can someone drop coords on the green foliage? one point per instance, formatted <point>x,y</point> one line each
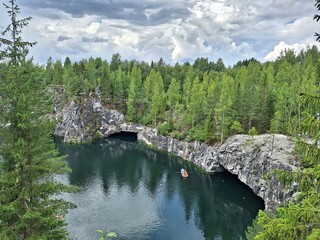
<point>296,221</point>
<point>254,230</point>
<point>134,98</point>
<point>253,131</point>
<point>236,127</point>
<point>197,134</point>
<point>223,109</point>
<point>15,48</point>
<point>155,97</point>
<point>205,104</point>
<point>178,135</point>
<point>57,73</point>
<point>98,134</point>
<point>202,101</point>
<point>315,235</point>
<point>106,235</point>
<point>30,160</point>
<point>164,129</point>
<point>173,95</point>
<point>299,219</point>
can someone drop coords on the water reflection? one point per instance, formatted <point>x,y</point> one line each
<point>140,194</point>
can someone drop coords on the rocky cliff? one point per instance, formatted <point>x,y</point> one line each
<point>251,158</point>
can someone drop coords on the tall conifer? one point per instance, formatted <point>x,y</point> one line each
<point>30,162</point>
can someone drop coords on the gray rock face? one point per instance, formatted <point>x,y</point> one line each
<point>251,158</point>
<point>83,121</point>
<point>199,153</point>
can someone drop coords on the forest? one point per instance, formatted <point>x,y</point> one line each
<point>204,100</point>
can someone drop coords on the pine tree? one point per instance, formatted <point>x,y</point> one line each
<point>133,94</point>
<point>29,160</point>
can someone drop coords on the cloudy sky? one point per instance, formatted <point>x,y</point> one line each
<point>176,30</point>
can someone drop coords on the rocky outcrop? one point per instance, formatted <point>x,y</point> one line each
<point>201,154</point>
<point>251,158</point>
<point>85,120</point>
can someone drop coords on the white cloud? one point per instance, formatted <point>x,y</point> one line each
<point>176,30</point>
<point>282,46</point>
<point>93,28</point>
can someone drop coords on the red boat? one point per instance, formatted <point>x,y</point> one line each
<point>184,173</point>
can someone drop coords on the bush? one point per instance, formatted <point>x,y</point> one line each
<point>253,131</point>
<point>98,134</point>
<point>164,129</point>
<point>178,135</point>
<point>236,127</point>
<point>253,230</point>
<point>196,134</point>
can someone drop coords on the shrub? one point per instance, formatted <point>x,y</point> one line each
<point>253,131</point>
<point>164,129</point>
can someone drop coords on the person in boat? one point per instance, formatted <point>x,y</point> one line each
<point>184,173</point>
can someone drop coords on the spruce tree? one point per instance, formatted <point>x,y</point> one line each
<point>299,219</point>
<point>29,160</point>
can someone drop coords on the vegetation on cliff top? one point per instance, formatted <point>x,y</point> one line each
<point>204,101</point>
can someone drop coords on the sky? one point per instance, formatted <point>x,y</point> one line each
<point>175,30</point>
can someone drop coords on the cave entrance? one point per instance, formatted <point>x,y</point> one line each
<point>125,136</point>
<point>233,180</point>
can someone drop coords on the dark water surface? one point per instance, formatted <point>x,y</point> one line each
<point>139,194</point>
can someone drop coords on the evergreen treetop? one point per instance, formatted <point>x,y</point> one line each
<point>16,49</point>
<point>30,162</point>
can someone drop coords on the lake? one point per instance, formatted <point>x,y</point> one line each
<point>140,194</point>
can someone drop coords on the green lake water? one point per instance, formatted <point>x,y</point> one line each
<point>139,193</point>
